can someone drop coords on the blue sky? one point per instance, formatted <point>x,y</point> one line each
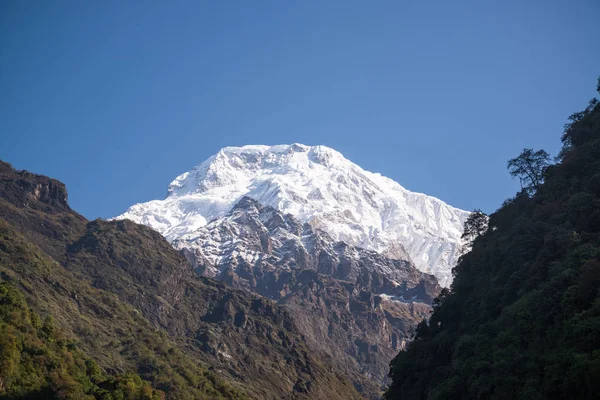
<point>117,98</point>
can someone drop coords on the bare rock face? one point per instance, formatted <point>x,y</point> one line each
<point>355,305</point>
<point>31,190</point>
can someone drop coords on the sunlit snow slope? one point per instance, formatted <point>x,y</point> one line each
<point>318,185</point>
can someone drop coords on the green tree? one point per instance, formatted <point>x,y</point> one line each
<point>529,167</point>
<point>475,226</point>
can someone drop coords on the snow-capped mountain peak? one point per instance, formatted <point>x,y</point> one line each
<point>317,185</point>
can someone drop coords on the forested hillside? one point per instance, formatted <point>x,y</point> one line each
<point>61,338</point>
<point>109,310</point>
<point>522,318</point>
<point>38,363</point>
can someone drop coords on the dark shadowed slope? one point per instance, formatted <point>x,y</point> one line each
<point>522,319</point>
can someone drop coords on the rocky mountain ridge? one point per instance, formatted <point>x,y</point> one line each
<point>355,305</point>
<point>125,296</point>
<point>257,236</point>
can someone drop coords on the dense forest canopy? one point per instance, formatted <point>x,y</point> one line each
<point>36,362</point>
<point>522,317</point>
<point>42,358</point>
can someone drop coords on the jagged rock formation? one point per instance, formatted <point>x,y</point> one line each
<point>355,305</point>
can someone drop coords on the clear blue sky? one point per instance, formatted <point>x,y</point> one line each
<point>116,98</point>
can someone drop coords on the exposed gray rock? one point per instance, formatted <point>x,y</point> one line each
<point>355,305</point>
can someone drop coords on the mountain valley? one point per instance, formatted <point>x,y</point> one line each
<point>328,241</point>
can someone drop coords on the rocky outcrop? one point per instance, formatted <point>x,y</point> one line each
<point>354,305</point>
<point>32,190</point>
